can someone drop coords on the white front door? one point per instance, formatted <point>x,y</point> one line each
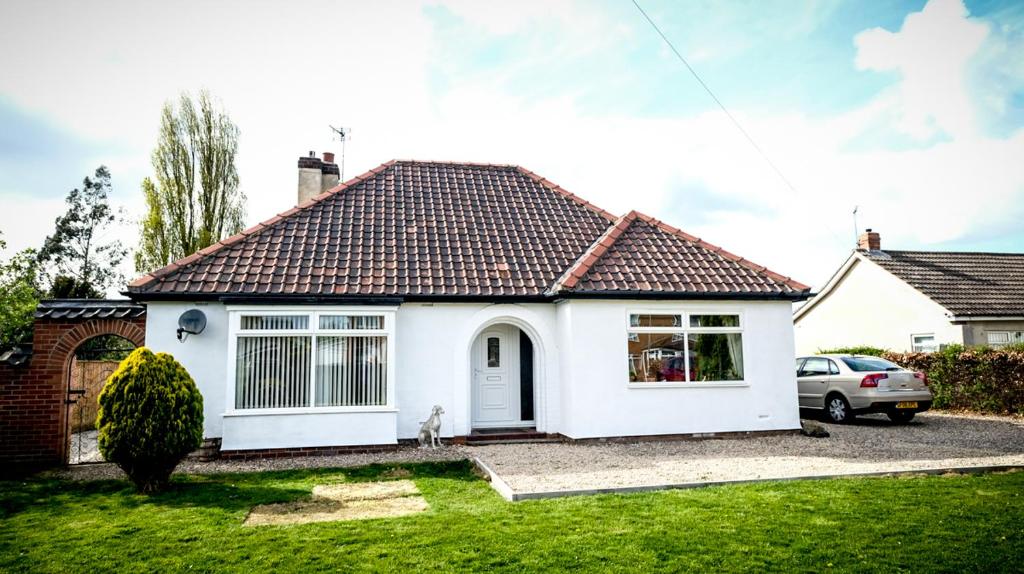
<point>496,377</point>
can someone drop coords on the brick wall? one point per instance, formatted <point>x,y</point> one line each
<point>33,414</point>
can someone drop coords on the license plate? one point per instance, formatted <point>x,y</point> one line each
<point>906,405</point>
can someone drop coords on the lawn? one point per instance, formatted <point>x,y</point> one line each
<point>960,523</point>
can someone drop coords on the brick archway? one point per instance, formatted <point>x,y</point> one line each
<point>32,395</point>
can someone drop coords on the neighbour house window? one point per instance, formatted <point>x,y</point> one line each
<point>1003,338</point>
<point>684,348</point>
<point>311,359</point>
<point>924,343</point>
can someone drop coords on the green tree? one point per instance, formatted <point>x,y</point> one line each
<point>64,287</point>
<point>19,296</point>
<point>195,200</point>
<point>79,248</point>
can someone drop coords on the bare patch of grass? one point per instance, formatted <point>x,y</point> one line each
<point>344,501</point>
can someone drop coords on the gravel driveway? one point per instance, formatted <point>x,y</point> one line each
<point>872,444</point>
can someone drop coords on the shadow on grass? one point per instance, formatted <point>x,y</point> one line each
<point>225,491</point>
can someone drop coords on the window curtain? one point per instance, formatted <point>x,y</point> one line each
<point>736,353</point>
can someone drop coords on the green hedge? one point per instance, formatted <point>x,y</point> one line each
<point>861,350</point>
<point>980,379</point>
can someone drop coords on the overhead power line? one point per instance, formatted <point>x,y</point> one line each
<point>725,110</point>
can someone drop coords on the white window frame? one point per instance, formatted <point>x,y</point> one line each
<point>235,331</point>
<point>1011,338</point>
<point>686,330</point>
<point>914,346</point>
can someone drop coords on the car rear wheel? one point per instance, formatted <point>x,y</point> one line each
<point>901,417</point>
<point>837,409</point>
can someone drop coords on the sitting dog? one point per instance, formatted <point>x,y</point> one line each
<point>430,429</point>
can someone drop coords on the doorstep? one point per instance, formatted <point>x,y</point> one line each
<point>512,435</point>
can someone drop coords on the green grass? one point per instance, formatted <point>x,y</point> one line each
<point>962,523</point>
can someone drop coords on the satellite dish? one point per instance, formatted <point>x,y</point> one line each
<point>191,322</point>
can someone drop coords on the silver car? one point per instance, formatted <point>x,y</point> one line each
<point>844,386</point>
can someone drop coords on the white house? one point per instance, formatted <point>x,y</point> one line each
<point>485,289</point>
<point>915,301</point>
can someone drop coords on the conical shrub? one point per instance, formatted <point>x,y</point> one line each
<point>150,418</point>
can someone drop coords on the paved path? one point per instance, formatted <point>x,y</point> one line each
<point>84,448</point>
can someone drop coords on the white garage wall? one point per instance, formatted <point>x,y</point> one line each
<point>600,403</point>
<point>870,306</point>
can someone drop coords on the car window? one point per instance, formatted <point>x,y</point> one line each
<point>799,362</point>
<point>862,364</point>
<point>833,368</point>
<point>815,366</point>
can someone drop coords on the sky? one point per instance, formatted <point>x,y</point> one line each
<point>910,112</point>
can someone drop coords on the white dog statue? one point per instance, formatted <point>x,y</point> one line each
<point>430,430</point>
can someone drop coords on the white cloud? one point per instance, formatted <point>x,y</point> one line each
<point>931,52</point>
<point>284,73</point>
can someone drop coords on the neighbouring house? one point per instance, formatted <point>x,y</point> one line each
<point>915,301</point>
<point>485,289</point>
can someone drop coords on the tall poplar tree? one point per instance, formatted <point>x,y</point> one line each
<point>194,201</point>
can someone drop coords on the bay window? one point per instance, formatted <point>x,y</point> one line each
<point>311,359</point>
<point>678,347</point>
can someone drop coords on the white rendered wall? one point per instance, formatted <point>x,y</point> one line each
<point>870,306</point>
<point>432,353</point>
<point>433,347</point>
<point>244,432</point>
<point>601,403</point>
<point>203,356</point>
<point>580,375</point>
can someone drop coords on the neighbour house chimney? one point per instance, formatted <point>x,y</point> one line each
<point>869,241</point>
<point>329,171</point>
<point>310,177</point>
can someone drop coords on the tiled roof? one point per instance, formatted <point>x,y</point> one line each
<point>640,253</point>
<point>966,284</point>
<point>433,229</point>
<point>88,309</point>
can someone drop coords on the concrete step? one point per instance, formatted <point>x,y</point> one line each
<point>485,442</point>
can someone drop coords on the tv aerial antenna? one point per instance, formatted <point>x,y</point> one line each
<point>343,134</point>
<point>856,230</point>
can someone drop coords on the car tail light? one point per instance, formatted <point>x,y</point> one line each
<point>872,379</point>
<point>922,376</point>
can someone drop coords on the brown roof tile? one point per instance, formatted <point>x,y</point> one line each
<point>409,228</point>
<point>640,253</point>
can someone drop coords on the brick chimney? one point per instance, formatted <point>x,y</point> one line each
<point>869,241</point>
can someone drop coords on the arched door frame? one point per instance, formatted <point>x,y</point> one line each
<point>545,368</point>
